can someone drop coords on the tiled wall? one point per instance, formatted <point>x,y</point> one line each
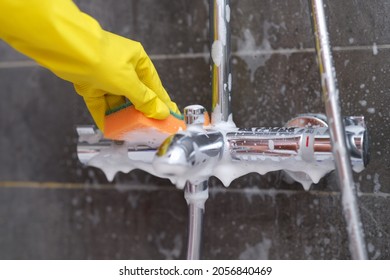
<point>51,207</point>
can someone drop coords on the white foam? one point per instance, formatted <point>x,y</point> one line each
<point>149,136</point>
<point>227,11</point>
<point>113,160</point>
<point>217,52</point>
<point>91,138</point>
<point>198,198</point>
<point>247,44</point>
<point>222,31</point>
<point>363,103</point>
<point>259,251</point>
<point>374,49</point>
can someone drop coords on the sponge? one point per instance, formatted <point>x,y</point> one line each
<point>125,123</point>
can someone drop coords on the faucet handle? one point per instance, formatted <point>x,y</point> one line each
<point>195,115</point>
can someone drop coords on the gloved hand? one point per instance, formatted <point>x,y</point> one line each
<point>132,76</point>
<point>105,68</point>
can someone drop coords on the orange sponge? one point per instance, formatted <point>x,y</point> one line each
<point>128,124</point>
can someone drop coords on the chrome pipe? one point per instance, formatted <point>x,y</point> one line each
<point>220,60</point>
<point>337,132</point>
<point>196,196</point>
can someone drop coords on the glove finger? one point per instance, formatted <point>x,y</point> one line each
<point>114,101</point>
<point>97,109</point>
<point>144,99</point>
<point>147,73</point>
<point>98,103</point>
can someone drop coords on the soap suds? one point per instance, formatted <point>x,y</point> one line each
<point>260,251</point>
<point>217,52</point>
<point>168,250</point>
<point>150,137</point>
<point>247,46</point>
<point>371,110</point>
<point>116,158</point>
<point>227,11</point>
<point>374,49</point>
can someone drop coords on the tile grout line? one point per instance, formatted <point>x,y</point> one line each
<point>79,186</point>
<point>17,64</point>
<point>140,187</point>
<point>156,57</point>
<point>178,56</point>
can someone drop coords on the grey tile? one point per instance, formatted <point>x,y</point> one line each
<point>163,27</point>
<point>375,219</point>
<point>38,116</point>
<point>287,24</point>
<point>188,81</point>
<point>173,26</point>
<point>356,23</point>
<point>91,224</point>
<point>292,225</point>
<point>266,24</point>
<point>269,90</point>
<point>151,224</point>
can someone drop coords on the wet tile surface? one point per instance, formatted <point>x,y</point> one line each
<point>177,26</point>
<point>357,23</point>
<point>38,117</point>
<point>366,93</point>
<point>290,225</point>
<point>91,224</point>
<point>151,224</point>
<point>265,25</point>
<point>275,78</point>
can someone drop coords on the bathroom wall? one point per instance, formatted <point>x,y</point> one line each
<point>51,207</point>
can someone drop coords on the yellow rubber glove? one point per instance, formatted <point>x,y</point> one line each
<point>104,67</point>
